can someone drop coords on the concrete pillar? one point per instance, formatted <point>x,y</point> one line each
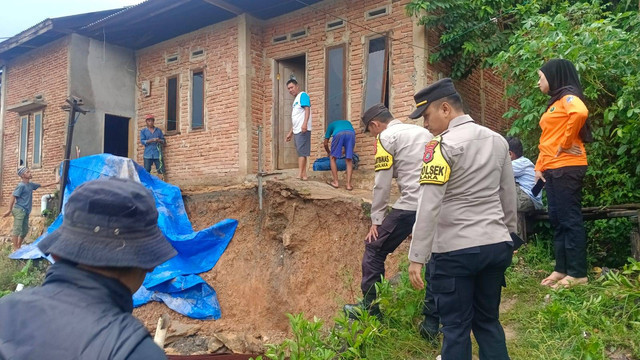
<point>244,101</point>
<point>3,91</point>
<point>420,54</point>
<point>483,98</point>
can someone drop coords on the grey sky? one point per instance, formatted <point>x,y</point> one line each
<point>19,15</point>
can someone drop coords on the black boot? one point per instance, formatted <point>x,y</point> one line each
<point>429,328</point>
<point>354,311</point>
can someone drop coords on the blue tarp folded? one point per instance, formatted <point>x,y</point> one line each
<point>173,282</point>
<point>324,163</point>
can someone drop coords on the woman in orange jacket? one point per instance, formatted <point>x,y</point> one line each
<point>562,164</point>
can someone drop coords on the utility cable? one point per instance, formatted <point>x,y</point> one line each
<point>400,40</point>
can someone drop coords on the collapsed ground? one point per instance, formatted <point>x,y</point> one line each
<point>301,253</point>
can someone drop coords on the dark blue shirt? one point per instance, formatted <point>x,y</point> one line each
<point>24,195</point>
<point>151,150</point>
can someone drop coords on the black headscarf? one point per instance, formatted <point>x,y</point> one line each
<point>563,80</point>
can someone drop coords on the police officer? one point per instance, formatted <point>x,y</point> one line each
<point>466,211</point>
<point>399,149</point>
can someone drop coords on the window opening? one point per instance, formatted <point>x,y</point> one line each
<point>172,59</point>
<point>376,12</point>
<point>298,34</point>
<point>172,104</point>
<point>335,24</point>
<point>335,80</point>
<point>37,139</point>
<point>377,73</point>
<point>197,100</point>
<point>24,140</point>
<point>280,38</point>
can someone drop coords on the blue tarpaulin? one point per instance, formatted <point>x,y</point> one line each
<point>174,282</point>
<point>324,163</point>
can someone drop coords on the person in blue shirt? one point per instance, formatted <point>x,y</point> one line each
<point>152,139</point>
<point>23,200</point>
<point>344,140</point>
<point>524,174</point>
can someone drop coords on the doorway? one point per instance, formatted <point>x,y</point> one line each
<point>116,135</point>
<point>291,68</point>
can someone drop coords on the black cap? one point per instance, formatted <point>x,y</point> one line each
<point>371,113</point>
<point>110,222</point>
<point>438,90</point>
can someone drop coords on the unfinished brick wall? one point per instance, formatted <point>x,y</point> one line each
<point>43,71</point>
<point>482,92</point>
<point>354,34</point>
<point>483,96</point>
<point>195,156</point>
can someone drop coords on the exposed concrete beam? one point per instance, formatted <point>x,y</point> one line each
<point>420,55</point>
<point>3,90</point>
<point>245,123</point>
<point>226,6</point>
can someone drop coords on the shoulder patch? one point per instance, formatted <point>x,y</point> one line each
<point>384,160</point>
<point>569,99</point>
<point>553,108</point>
<point>435,169</point>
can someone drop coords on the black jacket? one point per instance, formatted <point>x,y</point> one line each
<point>75,314</point>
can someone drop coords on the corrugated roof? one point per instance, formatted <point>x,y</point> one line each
<point>147,23</point>
<point>46,31</point>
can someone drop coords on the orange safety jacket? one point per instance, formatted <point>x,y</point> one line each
<point>560,125</point>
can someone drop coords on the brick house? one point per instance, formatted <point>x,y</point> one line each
<point>213,73</point>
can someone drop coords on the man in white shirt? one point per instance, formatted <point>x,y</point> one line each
<point>301,129</point>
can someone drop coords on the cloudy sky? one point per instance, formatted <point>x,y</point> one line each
<point>19,15</point>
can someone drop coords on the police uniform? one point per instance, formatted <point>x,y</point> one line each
<point>466,211</point>
<point>399,151</point>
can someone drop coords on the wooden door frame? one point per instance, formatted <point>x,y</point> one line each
<point>276,102</point>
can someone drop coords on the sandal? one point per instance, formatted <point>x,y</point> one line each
<point>552,279</point>
<point>331,184</point>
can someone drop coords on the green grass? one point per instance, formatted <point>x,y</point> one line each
<point>12,272</point>
<point>600,320</point>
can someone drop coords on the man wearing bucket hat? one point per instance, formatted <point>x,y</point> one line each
<point>399,149</point>
<point>466,211</point>
<point>109,239</point>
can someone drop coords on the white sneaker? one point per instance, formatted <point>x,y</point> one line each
<point>439,357</point>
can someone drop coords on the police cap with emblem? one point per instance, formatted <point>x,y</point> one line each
<point>438,90</point>
<point>372,113</point>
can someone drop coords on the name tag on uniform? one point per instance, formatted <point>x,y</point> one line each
<point>384,160</point>
<point>435,169</point>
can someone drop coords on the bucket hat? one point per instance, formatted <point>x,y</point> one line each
<point>110,222</point>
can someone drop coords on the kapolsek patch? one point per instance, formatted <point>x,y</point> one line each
<point>435,169</point>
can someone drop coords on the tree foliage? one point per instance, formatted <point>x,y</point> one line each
<point>472,31</point>
<point>604,46</point>
<point>601,38</point>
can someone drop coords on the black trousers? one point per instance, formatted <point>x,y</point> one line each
<point>564,194</point>
<point>395,228</point>
<point>467,285</point>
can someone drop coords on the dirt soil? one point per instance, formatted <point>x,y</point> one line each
<point>301,253</point>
